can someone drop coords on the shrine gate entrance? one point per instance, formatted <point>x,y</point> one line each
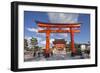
<point>58,29</point>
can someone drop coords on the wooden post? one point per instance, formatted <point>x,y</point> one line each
<point>72,42</point>
<point>47,50</point>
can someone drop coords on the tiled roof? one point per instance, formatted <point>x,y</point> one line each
<point>59,41</point>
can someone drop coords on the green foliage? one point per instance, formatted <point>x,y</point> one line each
<point>25,44</point>
<point>78,50</point>
<point>34,41</point>
<point>75,44</point>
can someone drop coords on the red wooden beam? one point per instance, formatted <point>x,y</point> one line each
<point>58,31</point>
<point>69,25</point>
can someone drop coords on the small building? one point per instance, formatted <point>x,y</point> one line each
<point>84,46</point>
<point>59,44</point>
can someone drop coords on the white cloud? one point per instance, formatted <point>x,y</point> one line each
<point>37,34</point>
<point>39,28</point>
<point>51,40</point>
<point>63,34</point>
<point>63,17</point>
<point>40,35</point>
<point>39,39</point>
<point>28,38</point>
<point>59,35</point>
<point>43,43</point>
<point>32,29</point>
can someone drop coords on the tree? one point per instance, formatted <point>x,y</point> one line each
<point>25,44</point>
<point>34,41</point>
<point>69,45</point>
<point>76,45</point>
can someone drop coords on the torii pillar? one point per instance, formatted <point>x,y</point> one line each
<point>47,50</point>
<point>72,42</point>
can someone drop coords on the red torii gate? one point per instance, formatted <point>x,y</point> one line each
<point>71,26</point>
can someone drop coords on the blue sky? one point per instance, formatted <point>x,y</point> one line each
<point>31,28</point>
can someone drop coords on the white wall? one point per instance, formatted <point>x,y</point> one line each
<point>5,35</point>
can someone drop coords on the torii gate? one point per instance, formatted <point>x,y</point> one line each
<point>72,29</point>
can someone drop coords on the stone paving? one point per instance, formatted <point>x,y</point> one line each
<point>54,57</point>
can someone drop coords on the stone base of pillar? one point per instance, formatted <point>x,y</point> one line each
<point>47,55</point>
<point>73,53</point>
